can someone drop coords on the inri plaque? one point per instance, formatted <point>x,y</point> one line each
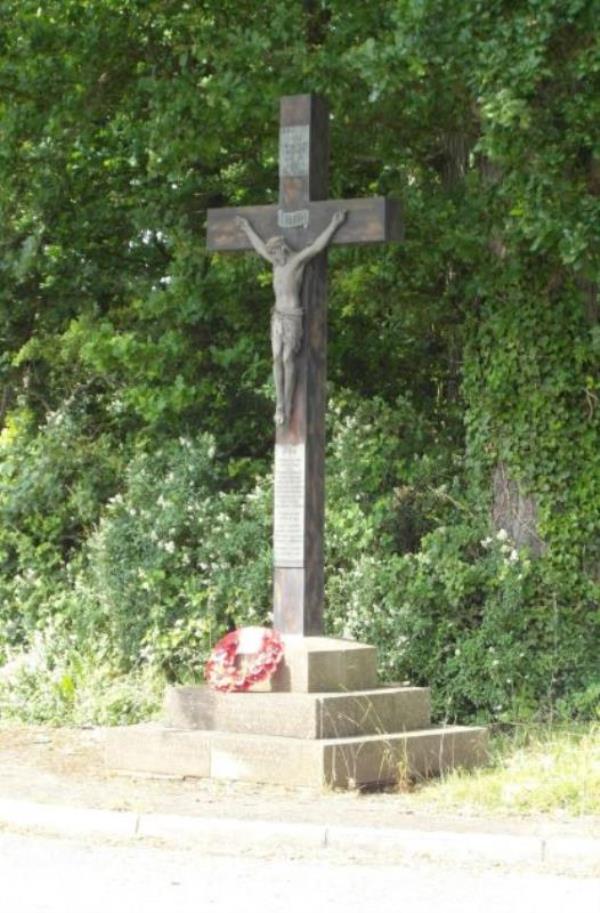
<point>298,219</point>
<point>288,515</point>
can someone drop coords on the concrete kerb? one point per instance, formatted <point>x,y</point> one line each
<point>67,819</point>
<point>365,843</point>
<point>449,845</point>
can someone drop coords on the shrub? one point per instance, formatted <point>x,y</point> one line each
<point>175,561</point>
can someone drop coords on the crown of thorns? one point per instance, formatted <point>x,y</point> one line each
<point>275,242</point>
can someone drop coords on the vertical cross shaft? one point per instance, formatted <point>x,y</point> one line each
<point>298,577</point>
<point>302,215</point>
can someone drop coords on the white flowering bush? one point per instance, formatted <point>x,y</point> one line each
<point>59,679</point>
<point>175,560</point>
<point>474,620</point>
<point>415,569</point>
<point>54,479</point>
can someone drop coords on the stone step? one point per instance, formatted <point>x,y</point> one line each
<point>323,664</point>
<point>299,715</point>
<point>339,762</point>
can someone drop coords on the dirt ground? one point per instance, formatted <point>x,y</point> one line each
<point>66,766</point>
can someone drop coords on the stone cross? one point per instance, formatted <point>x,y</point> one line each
<point>301,216</point>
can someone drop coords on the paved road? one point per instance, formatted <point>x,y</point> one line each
<point>52,875</point>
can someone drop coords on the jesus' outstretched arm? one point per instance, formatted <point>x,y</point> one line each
<point>255,240</point>
<point>322,241</point>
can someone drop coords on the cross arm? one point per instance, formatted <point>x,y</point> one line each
<point>368,221</point>
<point>222,233</point>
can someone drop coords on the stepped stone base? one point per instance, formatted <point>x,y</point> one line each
<point>302,715</point>
<point>339,762</point>
<point>320,721</point>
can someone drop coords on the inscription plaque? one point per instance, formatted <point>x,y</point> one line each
<point>288,514</point>
<point>298,219</point>
<point>293,151</point>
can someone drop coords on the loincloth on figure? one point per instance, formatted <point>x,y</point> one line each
<point>286,330</point>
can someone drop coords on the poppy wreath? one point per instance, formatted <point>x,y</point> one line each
<point>230,669</point>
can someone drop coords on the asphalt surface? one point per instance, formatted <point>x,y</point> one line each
<point>56,875</point>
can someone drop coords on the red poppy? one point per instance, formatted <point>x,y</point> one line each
<point>244,657</point>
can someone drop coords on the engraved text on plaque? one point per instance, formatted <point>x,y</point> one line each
<point>288,515</point>
<point>293,151</point>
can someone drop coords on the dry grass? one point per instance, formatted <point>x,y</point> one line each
<point>535,769</point>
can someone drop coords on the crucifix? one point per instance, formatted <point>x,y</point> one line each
<point>293,236</point>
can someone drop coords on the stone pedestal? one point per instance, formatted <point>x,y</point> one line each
<point>322,722</point>
<point>313,664</point>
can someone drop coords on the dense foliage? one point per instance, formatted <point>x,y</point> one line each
<point>136,443</point>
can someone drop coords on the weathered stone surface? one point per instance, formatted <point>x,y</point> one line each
<point>266,759</point>
<point>395,757</point>
<point>345,762</point>
<point>322,664</point>
<point>153,749</point>
<point>299,715</point>
<point>373,712</point>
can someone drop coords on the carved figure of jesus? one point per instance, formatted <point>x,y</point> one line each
<point>286,316</point>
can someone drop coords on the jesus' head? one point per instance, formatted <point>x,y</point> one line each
<point>278,250</point>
